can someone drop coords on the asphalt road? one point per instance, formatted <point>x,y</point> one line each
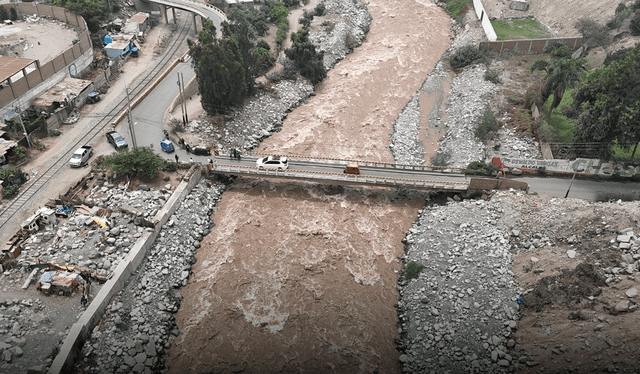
<point>587,189</point>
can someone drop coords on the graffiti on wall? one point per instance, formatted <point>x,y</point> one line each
<point>579,166</point>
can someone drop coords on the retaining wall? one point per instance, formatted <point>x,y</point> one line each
<point>190,89</point>
<point>72,62</point>
<point>82,329</point>
<point>484,20</point>
<point>581,166</point>
<point>529,46</point>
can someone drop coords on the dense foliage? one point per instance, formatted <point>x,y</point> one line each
<point>139,162</point>
<point>305,57</point>
<point>223,80</point>
<point>93,11</point>
<point>562,72</point>
<point>466,56</point>
<point>12,179</point>
<point>606,104</point>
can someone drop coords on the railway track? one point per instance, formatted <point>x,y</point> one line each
<point>36,184</point>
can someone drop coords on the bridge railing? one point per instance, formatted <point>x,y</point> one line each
<point>197,4</point>
<point>340,177</point>
<point>442,169</point>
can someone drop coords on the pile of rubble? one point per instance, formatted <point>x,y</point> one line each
<point>459,313</point>
<point>139,326</point>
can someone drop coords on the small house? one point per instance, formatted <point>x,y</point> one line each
<point>118,48</point>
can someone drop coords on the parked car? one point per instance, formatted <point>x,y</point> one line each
<point>116,140</point>
<point>81,156</point>
<point>273,162</point>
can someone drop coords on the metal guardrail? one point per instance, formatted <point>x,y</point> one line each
<point>432,168</point>
<point>339,177</point>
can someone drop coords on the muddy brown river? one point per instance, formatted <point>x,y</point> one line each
<point>300,277</point>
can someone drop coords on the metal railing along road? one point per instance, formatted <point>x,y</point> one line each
<point>340,178</point>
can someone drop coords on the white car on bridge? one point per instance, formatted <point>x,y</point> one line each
<point>273,162</point>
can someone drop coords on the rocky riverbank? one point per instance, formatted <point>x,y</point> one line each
<point>138,326</point>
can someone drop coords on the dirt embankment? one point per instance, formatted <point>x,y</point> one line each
<point>298,277</point>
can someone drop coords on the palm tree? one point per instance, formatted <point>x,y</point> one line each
<point>562,72</point>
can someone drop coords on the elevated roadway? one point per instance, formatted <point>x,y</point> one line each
<point>332,172</point>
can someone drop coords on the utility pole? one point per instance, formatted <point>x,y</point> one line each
<point>26,135</point>
<point>132,130</point>
<point>186,112</point>
<point>184,122</point>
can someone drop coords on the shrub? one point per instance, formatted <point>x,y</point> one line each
<point>10,191</point>
<point>441,159</point>
<point>546,133</point>
<point>636,5</point>
<point>263,44</point>
<point>412,270</point>
<point>170,166</point>
<point>615,56</point>
<point>614,23</point>
<point>635,24</point>
<point>20,152</point>
<point>320,9</point>
<point>594,35</point>
<point>491,77</point>
<point>466,56</point>
<point>487,127</point>
<point>620,8</point>
<point>140,162</point>
<point>477,168</point>
<point>291,3</point>
<point>455,7</point>
<point>4,15</point>
<point>305,22</point>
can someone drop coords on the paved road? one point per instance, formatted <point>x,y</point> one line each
<point>581,188</point>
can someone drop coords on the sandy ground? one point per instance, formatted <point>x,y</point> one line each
<point>313,289</point>
<point>42,40</point>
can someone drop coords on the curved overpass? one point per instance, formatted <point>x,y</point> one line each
<point>198,8</point>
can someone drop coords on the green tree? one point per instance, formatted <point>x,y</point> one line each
<point>305,57</point>
<point>606,104</point>
<point>139,162</point>
<point>4,15</point>
<point>219,70</point>
<point>239,29</point>
<point>13,14</point>
<point>93,11</point>
<point>562,72</point>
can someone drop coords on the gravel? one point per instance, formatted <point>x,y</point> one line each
<point>458,315</point>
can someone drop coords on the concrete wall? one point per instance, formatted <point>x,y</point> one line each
<point>82,329</point>
<point>529,46</point>
<point>71,63</point>
<point>484,20</point>
<point>582,166</point>
<point>190,89</point>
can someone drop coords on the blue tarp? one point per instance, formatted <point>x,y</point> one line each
<point>107,39</point>
<point>47,277</point>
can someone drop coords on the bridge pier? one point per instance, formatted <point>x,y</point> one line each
<point>173,12</point>
<point>195,23</point>
<point>164,11</point>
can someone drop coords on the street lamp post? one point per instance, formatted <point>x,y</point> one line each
<point>572,178</point>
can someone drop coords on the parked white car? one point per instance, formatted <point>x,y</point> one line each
<point>273,162</point>
<point>81,156</point>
